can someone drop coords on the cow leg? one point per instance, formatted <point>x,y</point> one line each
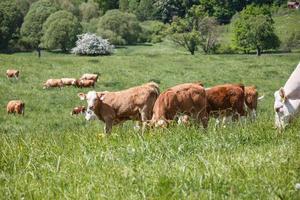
<point>16,77</point>
<point>108,126</point>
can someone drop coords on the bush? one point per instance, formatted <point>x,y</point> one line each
<point>152,31</point>
<point>119,27</point>
<point>291,42</point>
<point>226,49</point>
<point>60,31</point>
<point>90,44</point>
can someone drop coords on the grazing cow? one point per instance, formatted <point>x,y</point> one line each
<point>226,100</point>
<point>68,81</point>
<point>78,110</point>
<point>115,107</point>
<point>12,73</point>
<point>287,100</point>
<point>188,99</point>
<point>85,83</point>
<point>15,106</point>
<point>251,100</point>
<point>53,83</point>
<point>93,77</point>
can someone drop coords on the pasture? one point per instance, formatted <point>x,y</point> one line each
<point>48,154</point>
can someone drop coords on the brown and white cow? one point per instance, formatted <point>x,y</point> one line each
<point>251,100</point>
<point>135,103</point>
<point>15,106</point>
<point>85,83</point>
<point>93,77</point>
<point>226,100</point>
<point>53,83</point>
<point>68,81</point>
<point>78,110</point>
<point>188,99</point>
<point>12,73</point>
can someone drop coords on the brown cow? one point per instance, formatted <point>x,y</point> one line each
<point>225,100</point>
<point>15,106</point>
<point>251,100</point>
<point>114,107</point>
<point>12,73</point>
<point>68,81</point>
<point>93,77</point>
<point>188,99</point>
<point>78,110</point>
<point>53,83</point>
<point>85,83</point>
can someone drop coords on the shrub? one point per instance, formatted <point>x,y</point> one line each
<point>90,44</point>
<point>60,31</point>
<point>152,31</point>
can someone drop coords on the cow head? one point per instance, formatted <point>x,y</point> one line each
<point>93,101</point>
<point>283,109</point>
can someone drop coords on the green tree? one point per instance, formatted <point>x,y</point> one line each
<point>31,30</point>
<point>183,33</point>
<point>124,5</point>
<point>254,30</point>
<point>106,5</point>
<point>60,31</point>
<point>119,27</point>
<point>89,10</point>
<point>10,21</point>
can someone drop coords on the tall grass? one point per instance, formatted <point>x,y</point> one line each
<point>48,154</point>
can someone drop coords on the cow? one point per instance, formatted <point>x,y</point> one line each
<point>226,100</point>
<point>287,101</point>
<point>112,108</point>
<point>15,106</point>
<point>53,83</point>
<point>12,73</point>
<point>85,83</point>
<point>93,77</point>
<point>78,110</point>
<point>188,99</point>
<point>251,100</point>
<point>68,81</point>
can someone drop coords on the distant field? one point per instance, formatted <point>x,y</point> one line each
<point>47,154</point>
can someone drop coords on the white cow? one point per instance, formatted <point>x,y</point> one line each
<point>287,100</point>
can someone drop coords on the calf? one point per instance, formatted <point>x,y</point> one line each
<point>115,107</point>
<point>287,100</point>
<point>85,83</point>
<point>188,99</point>
<point>251,100</point>
<point>68,81</point>
<point>225,100</point>
<point>12,73</point>
<point>53,83</point>
<point>15,106</point>
<point>93,77</point>
<point>78,110</point>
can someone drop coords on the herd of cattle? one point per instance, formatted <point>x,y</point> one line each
<point>182,103</point>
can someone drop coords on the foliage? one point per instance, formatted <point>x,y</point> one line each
<point>60,31</point>
<point>119,27</point>
<point>153,31</point>
<point>89,10</point>
<point>38,13</point>
<point>10,22</point>
<point>254,30</point>
<point>90,44</point>
<point>106,5</point>
<point>292,41</point>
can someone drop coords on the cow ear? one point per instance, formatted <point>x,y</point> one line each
<point>82,96</point>
<point>282,93</point>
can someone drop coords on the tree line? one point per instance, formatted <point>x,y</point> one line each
<point>55,24</point>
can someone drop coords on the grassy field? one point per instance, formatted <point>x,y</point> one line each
<point>48,154</point>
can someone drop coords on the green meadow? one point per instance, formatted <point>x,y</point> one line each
<point>49,154</point>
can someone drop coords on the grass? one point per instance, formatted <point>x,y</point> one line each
<point>47,154</point>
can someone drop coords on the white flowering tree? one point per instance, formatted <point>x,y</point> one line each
<point>91,44</point>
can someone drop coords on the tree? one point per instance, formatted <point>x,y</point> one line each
<point>89,10</point>
<point>123,5</point>
<point>31,30</point>
<point>254,30</point>
<point>10,22</point>
<point>106,5</point>
<point>119,27</point>
<point>60,31</point>
<point>90,44</point>
<point>183,33</point>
